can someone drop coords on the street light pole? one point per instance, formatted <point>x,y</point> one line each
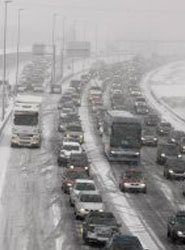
<point>54,49</point>
<point>4,59</point>
<point>63,47</point>
<point>18,45</point>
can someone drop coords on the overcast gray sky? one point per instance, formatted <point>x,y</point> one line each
<point>115,19</point>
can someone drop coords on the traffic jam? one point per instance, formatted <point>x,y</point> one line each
<point>113,155</point>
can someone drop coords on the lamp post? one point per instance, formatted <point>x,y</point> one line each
<point>63,47</point>
<point>53,49</point>
<point>18,45</point>
<point>4,58</point>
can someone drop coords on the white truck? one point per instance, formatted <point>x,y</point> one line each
<point>26,129</point>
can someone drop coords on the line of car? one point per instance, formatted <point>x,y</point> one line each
<point>100,225</point>
<point>159,133</point>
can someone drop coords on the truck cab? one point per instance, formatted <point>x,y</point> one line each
<point>26,128</point>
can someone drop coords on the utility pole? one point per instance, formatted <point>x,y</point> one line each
<point>4,58</point>
<point>63,47</point>
<point>53,76</point>
<point>18,46</point>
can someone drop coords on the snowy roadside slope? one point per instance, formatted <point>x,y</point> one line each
<point>166,82</point>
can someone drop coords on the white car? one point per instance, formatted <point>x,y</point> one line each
<point>87,202</point>
<point>67,149</point>
<point>79,187</point>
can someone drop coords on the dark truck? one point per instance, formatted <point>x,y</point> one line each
<point>99,227</point>
<point>167,151</point>
<point>176,227</point>
<point>121,136</point>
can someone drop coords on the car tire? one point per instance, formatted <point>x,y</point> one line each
<point>84,236</point>
<point>168,234</point>
<point>173,238</point>
<point>70,202</point>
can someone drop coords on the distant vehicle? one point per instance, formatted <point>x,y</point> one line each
<point>176,227</point>
<point>26,128</point>
<point>140,99</point>
<point>85,79</point>
<point>77,99</point>
<point>123,242</point>
<point>76,84</point>
<point>151,120</point>
<point>182,145</point>
<point>149,136</point>
<point>141,108</point>
<point>121,136</point>
<point>175,136</point>
<point>183,189</point>
<point>133,180</point>
<point>164,128</point>
<point>65,111</point>
<point>66,98</point>
<point>167,151</point>
<point>70,118</point>
<point>66,150</point>
<point>87,202</point>
<point>134,91</point>
<point>79,160</point>
<point>80,186</point>
<point>56,89</point>
<point>21,88</point>
<point>75,131</point>
<point>99,227</point>
<point>70,176</point>
<point>174,169</point>
<point>38,88</point>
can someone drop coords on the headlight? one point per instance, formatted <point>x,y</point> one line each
<point>180,156</point>
<point>142,138</point>
<point>171,171</point>
<point>14,136</point>
<point>137,153</point>
<point>179,233</point>
<point>101,210</point>
<point>163,155</point>
<point>155,139</point>
<point>183,147</point>
<point>161,130</point>
<point>69,184</point>
<point>82,210</point>
<point>113,152</point>
<point>86,168</point>
<point>35,137</point>
<point>172,139</point>
<point>81,136</point>
<point>71,166</point>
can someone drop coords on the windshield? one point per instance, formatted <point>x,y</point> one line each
<point>177,134</point>
<point>75,128</point>
<point>167,125</point>
<point>181,219</point>
<point>105,219</point>
<point>85,186</point>
<point>26,120</point>
<point>126,135</point>
<point>149,132</point>
<point>75,175</point>
<point>91,198</point>
<point>70,147</point>
<point>124,244</point>
<point>135,175</point>
<point>170,149</point>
